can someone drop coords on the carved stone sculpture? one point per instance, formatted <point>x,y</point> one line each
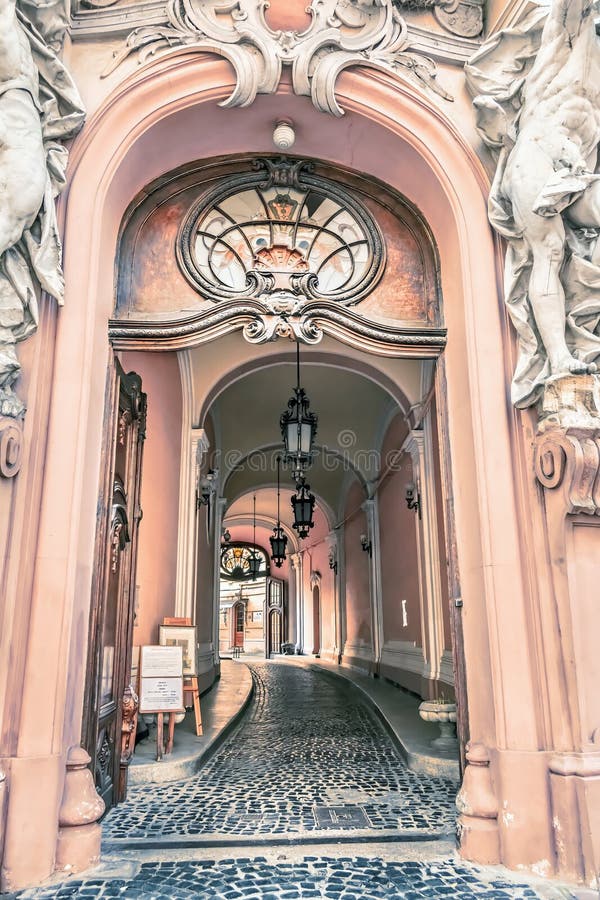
<point>462,17</point>
<point>365,32</point>
<point>39,108</point>
<point>537,96</point>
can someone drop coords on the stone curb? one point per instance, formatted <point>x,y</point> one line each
<point>422,763</point>
<point>186,767</point>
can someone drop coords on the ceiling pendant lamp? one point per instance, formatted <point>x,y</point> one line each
<point>254,561</point>
<point>298,427</point>
<point>278,538</point>
<point>303,505</point>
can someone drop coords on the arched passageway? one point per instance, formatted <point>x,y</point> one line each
<point>191,362</point>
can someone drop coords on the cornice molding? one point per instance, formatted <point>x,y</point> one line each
<point>260,325</point>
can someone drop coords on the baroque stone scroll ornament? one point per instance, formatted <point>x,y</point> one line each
<point>39,108</point>
<point>536,91</point>
<point>462,17</point>
<point>342,34</point>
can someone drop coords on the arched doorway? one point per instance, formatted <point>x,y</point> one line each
<point>416,145</point>
<point>238,624</point>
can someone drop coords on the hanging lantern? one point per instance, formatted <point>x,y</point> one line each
<point>298,426</point>
<point>303,505</point>
<point>278,546</point>
<point>278,539</point>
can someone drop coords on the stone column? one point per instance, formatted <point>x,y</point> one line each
<point>419,445</point>
<point>296,562</point>
<point>195,445</point>
<point>371,508</point>
<point>220,505</point>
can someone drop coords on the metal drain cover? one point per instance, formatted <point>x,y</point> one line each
<point>341,817</point>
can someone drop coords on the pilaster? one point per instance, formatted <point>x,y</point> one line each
<point>297,564</point>
<point>195,445</point>
<point>567,466</point>
<point>220,506</point>
<point>334,564</point>
<point>371,508</point>
<point>419,446</point>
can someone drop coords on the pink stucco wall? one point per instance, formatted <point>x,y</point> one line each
<point>358,607</point>
<point>157,555</point>
<point>397,529</point>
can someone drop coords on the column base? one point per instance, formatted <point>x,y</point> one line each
<point>78,847</point>
<point>479,840</point>
<point>575,789</point>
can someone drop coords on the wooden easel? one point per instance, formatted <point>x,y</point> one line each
<point>190,686</point>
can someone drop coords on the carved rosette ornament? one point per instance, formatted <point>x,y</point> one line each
<point>368,33</point>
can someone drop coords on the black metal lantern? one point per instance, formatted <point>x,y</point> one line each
<point>278,539</point>
<point>303,504</point>
<point>254,560</point>
<point>298,426</point>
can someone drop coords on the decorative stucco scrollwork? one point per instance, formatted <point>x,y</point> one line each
<point>567,447</point>
<point>368,33</point>
<point>570,460</point>
<point>11,446</point>
<point>462,17</point>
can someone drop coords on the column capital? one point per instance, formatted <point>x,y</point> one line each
<point>296,561</point>
<point>415,444</point>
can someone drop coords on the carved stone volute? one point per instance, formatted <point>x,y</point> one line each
<point>567,447</point>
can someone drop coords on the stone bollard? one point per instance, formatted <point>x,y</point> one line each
<point>476,802</point>
<point>79,835</point>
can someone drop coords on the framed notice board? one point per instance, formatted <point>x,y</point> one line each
<point>161,679</point>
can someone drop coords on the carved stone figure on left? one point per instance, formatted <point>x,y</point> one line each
<point>39,107</point>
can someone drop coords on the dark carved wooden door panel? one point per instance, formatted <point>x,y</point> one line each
<point>110,707</point>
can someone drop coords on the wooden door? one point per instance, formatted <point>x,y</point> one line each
<point>111,703</point>
<point>274,631</point>
<point>238,625</point>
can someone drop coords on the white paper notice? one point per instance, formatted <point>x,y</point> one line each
<point>162,662</point>
<point>161,695</point>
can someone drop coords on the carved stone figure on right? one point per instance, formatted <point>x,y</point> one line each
<point>537,93</point>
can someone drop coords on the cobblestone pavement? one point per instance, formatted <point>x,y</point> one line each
<point>309,757</point>
<point>310,762</point>
<point>346,878</point>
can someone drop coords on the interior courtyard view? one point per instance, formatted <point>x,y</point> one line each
<point>299,449</point>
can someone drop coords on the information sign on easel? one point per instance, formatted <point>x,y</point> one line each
<point>181,631</point>
<point>161,688</point>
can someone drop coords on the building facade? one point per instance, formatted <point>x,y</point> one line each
<point>352,180</point>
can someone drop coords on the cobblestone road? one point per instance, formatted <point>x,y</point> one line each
<point>309,757</point>
<point>309,761</point>
<point>347,878</point>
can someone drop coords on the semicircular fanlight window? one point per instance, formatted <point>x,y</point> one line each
<point>310,227</point>
<point>236,562</point>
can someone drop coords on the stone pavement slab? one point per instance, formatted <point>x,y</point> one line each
<point>221,709</point>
